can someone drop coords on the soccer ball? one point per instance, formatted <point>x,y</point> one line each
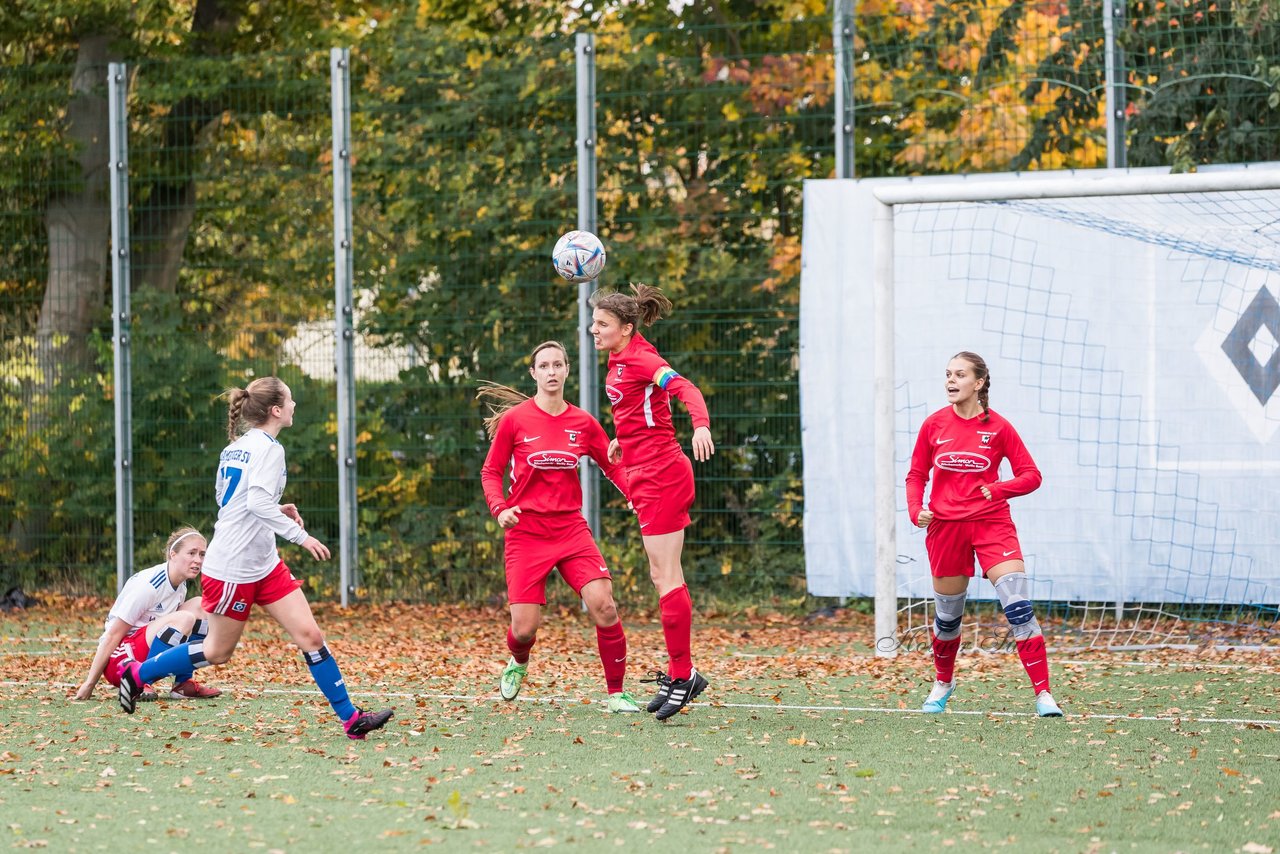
<point>578,256</point>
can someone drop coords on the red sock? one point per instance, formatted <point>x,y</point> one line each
<point>944,657</point>
<point>519,651</point>
<point>677,627</point>
<point>613,655</point>
<point>1036,661</point>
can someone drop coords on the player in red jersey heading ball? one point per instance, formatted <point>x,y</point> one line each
<point>640,385</point>
<point>539,442</point>
<point>968,516</point>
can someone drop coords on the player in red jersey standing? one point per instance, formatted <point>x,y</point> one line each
<point>640,385</point>
<point>968,516</point>
<point>538,441</point>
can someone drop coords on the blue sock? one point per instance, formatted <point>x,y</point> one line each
<point>184,658</point>
<point>166,640</point>
<point>325,671</point>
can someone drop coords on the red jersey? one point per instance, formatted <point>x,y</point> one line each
<point>965,454</point>
<point>540,451</point>
<point>640,385</point>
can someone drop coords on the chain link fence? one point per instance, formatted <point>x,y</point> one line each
<point>464,170</point>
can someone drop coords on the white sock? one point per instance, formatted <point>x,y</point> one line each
<point>940,689</point>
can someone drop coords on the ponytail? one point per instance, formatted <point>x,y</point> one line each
<point>252,404</point>
<point>498,399</point>
<point>653,303</point>
<point>643,307</point>
<point>236,398</point>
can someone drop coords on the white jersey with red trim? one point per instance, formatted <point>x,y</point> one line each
<point>250,480</point>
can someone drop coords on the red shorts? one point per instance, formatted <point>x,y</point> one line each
<point>538,544</point>
<point>134,647</point>
<point>234,600</point>
<point>952,545</point>
<point>662,493</point>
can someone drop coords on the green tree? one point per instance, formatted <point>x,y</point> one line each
<point>53,58</point>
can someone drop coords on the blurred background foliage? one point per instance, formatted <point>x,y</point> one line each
<point>710,118</point>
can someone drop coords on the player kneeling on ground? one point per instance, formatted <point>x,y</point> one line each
<point>152,614</point>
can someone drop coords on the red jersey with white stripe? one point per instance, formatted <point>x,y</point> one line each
<point>640,385</point>
<point>964,454</point>
<point>540,452</point>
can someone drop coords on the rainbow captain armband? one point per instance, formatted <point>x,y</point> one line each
<point>663,376</point>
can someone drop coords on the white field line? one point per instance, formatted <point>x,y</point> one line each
<point>577,701</point>
<point>1178,665</point>
<point>1271,648</point>
<point>1187,665</point>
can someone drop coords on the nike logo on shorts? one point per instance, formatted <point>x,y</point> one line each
<point>604,569</point>
<point>1006,554</point>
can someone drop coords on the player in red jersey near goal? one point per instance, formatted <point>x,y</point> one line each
<point>968,517</point>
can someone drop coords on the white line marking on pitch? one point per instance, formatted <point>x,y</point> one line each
<point>577,701</point>
<point>1189,665</point>
<point>1185,665</point>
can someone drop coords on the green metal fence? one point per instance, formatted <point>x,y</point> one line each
<point>56,493</point>
<point>232,275</point>
<point>464,171</point>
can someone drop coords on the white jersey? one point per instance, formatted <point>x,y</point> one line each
<point>250,481</point>
<point>146,596</point>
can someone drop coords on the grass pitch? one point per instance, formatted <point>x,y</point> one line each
<point>804,743</point>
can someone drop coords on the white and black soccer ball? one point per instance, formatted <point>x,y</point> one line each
<point>578,256</point>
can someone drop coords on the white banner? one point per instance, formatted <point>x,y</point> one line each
<point>1133,342</point>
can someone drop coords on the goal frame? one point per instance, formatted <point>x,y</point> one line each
<point>976,189</point>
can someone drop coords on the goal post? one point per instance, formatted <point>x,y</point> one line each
<point>1023,264</point>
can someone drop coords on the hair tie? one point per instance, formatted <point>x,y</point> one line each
<point>173,548</point>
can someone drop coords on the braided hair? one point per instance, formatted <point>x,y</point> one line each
<point>251,405</point>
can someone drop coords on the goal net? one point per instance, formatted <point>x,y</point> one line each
<point>1131,325</point>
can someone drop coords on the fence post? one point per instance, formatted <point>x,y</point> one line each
<point>1113,17</point>
<point>122,378</point>
<point>588,396</point>
<point>343,311</point>
<point>842,24</point>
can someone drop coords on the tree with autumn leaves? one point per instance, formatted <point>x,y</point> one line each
<point>710,118</point>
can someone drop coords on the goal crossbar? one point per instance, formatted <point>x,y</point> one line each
<point>1076,186</point>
